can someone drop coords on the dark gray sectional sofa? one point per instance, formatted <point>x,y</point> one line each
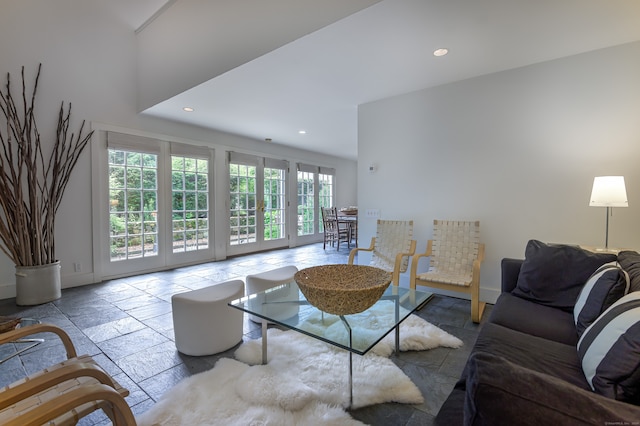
<point>531,366</point>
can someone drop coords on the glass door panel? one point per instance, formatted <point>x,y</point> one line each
<point>306,203</point>
<point>274,204</point>
<point>190,204</point>
<point>257,204</point>
<point>133,210</point>
<point>242,207</point>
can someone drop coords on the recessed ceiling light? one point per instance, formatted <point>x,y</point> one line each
<point>188,109</point>
<point>440,52</point>
<point>302,132</point>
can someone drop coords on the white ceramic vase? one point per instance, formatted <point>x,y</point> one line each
<point>36,285</point>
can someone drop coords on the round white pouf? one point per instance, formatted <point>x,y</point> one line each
<point>203,323</point>
<point>265,280</point>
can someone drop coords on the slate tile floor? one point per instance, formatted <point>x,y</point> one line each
<point>126,325</point>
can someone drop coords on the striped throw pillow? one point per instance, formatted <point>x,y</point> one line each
<point>605,286</point>
<point>609,350</point>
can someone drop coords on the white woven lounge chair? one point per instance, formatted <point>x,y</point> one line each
<point>455,254</point>
<point>391,247</point>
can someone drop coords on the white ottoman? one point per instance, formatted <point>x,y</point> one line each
<point>260,282</point>
<point>203,323</point>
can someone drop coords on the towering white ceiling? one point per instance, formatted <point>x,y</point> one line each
<point>270,69</point>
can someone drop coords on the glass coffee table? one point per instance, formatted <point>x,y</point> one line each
<point>286,306</point>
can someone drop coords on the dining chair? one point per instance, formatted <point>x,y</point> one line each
<point>455,254</point>
<point>334,232</point>
<point>391,248</point>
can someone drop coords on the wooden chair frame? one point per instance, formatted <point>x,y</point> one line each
<point>64,392</point>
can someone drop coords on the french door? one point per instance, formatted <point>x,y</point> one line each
<point>158,204</point>
<point>315,189</point>
<point>258,204</point>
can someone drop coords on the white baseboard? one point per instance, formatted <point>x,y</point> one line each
<point>77,280</point>
<point>7,291</point>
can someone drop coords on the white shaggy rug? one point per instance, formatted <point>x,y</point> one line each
<point>305,382</point>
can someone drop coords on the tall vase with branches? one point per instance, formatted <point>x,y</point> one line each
<point>31,183</point>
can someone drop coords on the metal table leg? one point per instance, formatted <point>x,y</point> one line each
<point>346,324</point>
<point>34,343</point>
<point>264,341</point>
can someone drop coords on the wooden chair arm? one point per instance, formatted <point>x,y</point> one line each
<point>353,251</point>
<point>52,378</point>
<point>18,333</point>
<point>67,401</point>
<point>416,259</point>
<point>395,275</point>
<point>399,256</point>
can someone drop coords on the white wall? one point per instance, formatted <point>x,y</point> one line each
<point>517,150</point>
<point>89,59</point>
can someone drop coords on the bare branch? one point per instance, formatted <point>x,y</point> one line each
<point>32,186</point>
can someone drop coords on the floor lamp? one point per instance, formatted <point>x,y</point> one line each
<point>608,191</point>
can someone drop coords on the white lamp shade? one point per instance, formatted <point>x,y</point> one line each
<point>608,191</point>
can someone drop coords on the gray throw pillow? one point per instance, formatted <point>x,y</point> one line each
<point>554,274</point>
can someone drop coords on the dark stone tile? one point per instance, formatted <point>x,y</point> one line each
<point>161,323</point>
<point>150,361</point>
<point>92,317</point>
<point>136,394</point>
<point>42,358</point>
<point>127,292</point>
<point>81,304</point>
<point>109,330</point>
<point>199,364</point>
<point>107,365</point>
<point>9,350</point>
<point>120,347</point>
<point>419,418</point>
<point>157,308</point>
<point>143,299</point>
<point>435,387</point>
<point>95,418</point>
<point>142,407</point>
<point>157,286</point>
<point>157,385</point>
<point>384,414</point>
<point>83,345</point>
<point>10,372</point>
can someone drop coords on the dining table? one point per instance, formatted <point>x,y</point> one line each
<point>349,219</point>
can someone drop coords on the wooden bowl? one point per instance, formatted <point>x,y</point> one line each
<point>342,289</point>
<point>349,211</point>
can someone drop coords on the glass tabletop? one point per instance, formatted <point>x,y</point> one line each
<point>286,305</point>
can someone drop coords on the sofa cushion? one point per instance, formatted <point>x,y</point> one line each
<point>630,262</point>
<point>553,274</point>
<point>499,392</point>
<point>607,284</point>
<point>542,355</point>
<point>610,351</point>
<point>531,318</point>
<point>451,413</point>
